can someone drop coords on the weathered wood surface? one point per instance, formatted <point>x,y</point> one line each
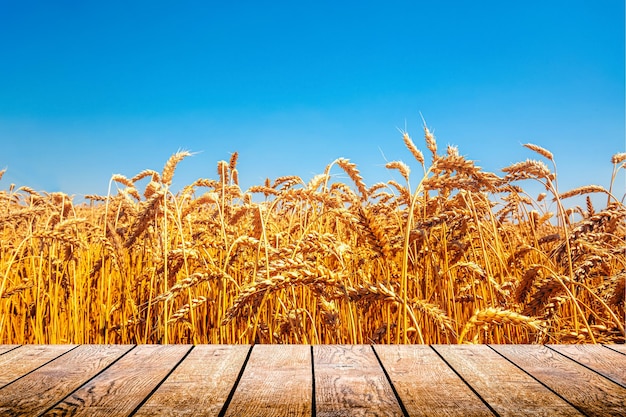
<point>509,390</point>
<point>6,348</point>
<point>604,361</point>
<point>592,394</point>
<point>426,385</point>
<point>349,381</point>
<point>200,385</point>
<point>38,390</point>
<point>300,380</point>
<point>15,363</point>
<point>618,348</point>
<point>277,381</point>
<point>124,385</point>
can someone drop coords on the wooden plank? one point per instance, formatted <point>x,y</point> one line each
<point>607,362</point>
<point>506,388</point>
<point>349,381</point>
<point>617,348</point>
<point>586,390</point>
<point>200,385</point>
<point>426,384</point>
<point>122,387</point>
<point>277,381</point>
<point>42,388</point>
<point>6,348</point>
<point>20,361</point>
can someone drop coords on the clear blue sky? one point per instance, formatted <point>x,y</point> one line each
<point>89,89</point>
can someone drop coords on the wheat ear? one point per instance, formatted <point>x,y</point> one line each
<point>492,315</point>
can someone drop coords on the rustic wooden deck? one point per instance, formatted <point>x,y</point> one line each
<point>324,380</point>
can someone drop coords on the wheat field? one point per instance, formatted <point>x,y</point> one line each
<point>453,254</point>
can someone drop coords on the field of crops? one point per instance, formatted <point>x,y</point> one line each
<point>453,254</point>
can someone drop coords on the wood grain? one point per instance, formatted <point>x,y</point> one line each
<point>18,362</point>
<point>124,385</point>
<point>6,348</point>
<point>507,389</point>
<point>591,393</point>
<point>350,382</point>
<point>200,385</point>
<point>617,348</point>
<point>427,386</point>
<point>602,360</point>
<point>277,381</point>
<point>42,388</point>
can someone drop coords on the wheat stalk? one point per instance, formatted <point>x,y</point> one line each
<point>170,167</point>
<point>417,154</point>
<point>354,174</point>
<point>541,151</point>
<point>498,316</point>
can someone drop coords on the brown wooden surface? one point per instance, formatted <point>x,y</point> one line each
<point>591,393</point>
<point>416,370</point>
<point>349,381</point>
<point>618,348</point>
<point>42,388</point>
<point>277,381</point>
<point>508,390</point>
<point>6,348</point>
<point>200,385</point>
<point>602,360</point>
<point>300,380</point>
<point>123,386</point>
<point>18,362</point>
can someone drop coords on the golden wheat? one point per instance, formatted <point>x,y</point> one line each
<point>541,151</point>
<point>467,255</point>
<point>498,316</point>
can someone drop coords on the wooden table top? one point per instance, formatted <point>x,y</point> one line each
<point>321,380</point>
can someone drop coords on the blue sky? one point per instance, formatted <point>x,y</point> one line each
<point>90,89</point>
